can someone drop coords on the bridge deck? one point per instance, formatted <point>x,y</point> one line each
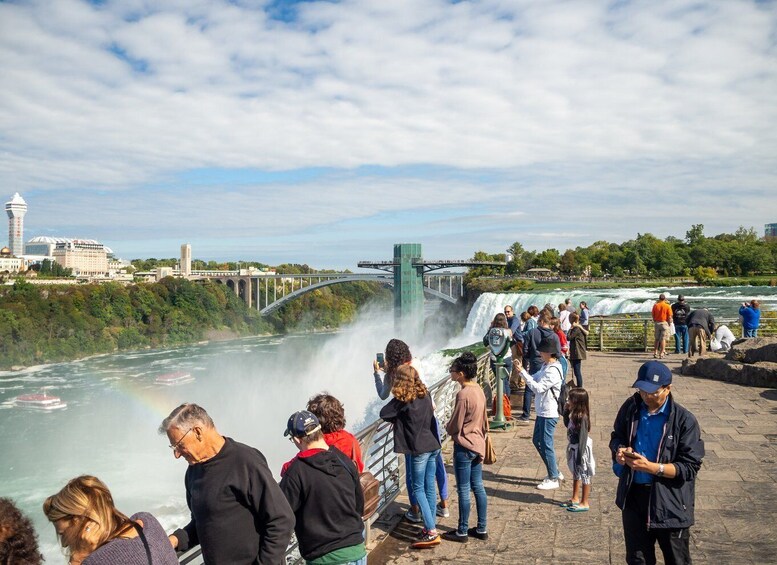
<point>736,499</point>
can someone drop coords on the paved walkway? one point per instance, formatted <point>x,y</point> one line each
<point>736,491</point>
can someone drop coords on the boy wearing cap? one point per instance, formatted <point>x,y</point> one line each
<point>680,311</point>
<point>657,451</point>
<point>322,487</point>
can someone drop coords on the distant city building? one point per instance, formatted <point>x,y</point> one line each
<point>771,231</point>
<point>9,263</point>
<point>84,256</point>
<point>16,208</point>
<point>186,260</point>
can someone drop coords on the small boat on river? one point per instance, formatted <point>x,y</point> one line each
<point>174,379</point>
<point>40,401</point>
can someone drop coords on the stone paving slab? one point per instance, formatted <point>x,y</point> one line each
<point>736,490</point>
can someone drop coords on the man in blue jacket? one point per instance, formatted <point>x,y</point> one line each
<point>657,451</point>
<point>751,318</point>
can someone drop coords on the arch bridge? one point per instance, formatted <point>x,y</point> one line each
<point>268,292</point>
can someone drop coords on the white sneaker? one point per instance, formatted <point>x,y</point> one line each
<point>559,478</point>
<point>548,484</point>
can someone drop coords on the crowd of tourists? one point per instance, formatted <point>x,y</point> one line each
<point>692,329</point>
<point>241,515</point>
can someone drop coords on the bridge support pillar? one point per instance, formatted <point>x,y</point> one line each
<point>408,291</point>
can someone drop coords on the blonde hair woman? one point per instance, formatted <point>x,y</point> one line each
<point>94,532</point>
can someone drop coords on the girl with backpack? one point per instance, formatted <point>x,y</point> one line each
<point>580,455</point>
<point>546,384</point>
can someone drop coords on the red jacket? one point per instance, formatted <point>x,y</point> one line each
<point>348,444</point>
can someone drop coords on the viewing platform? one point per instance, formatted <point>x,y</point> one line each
<point>736,489</point>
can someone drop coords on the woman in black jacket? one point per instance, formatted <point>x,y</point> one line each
<point>415,434</point>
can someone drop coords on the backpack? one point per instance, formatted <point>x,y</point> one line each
<point>506,408</point>
<point>563,394</point>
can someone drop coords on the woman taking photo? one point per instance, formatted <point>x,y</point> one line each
<point>467,428</point>
<point>94,532</point>
<point>398,355</point>
<point>415,434</point>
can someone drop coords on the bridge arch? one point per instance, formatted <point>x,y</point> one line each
<point>383,280</point>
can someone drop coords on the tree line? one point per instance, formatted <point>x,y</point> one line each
<point>45,324</point>
<point>728,254</point>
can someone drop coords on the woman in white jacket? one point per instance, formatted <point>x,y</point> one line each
<point>546,386</point>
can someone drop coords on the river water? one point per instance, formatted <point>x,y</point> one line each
<point>249,386</point>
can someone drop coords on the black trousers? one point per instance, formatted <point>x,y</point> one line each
<point>641,542</point>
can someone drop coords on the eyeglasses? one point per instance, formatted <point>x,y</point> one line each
<point>653,394</point>
<point>177,444</point>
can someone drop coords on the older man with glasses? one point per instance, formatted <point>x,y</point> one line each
<point>239,514</point>
<point>657,451</point>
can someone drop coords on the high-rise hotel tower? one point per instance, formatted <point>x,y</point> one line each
<point>16,208</point>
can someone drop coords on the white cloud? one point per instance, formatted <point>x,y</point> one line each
<point>601,106</point>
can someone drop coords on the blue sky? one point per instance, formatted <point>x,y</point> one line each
<point>323,132</point>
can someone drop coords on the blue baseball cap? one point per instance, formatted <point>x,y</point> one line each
<point>302,424</point>
<point>652,376</point>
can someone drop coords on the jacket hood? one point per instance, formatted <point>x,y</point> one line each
<point>337,436</point>
<point>325,461</point>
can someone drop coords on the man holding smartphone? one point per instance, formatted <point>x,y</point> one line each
<point>657,451</point>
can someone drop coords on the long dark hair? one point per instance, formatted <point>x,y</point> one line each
<point>579,407</point>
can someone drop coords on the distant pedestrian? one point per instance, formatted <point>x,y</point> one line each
<point>467,429</point>
<point>546,384</point>
<point>722,339</point>
<point>584,315</point>
<point>331,415</point>
<point>323,489</point>
<point>751,318</point>
<point>569,306</point>
<point>577,348</point>
<point>657,451</point>
<point>580,450</point>
<point>563,318</point>
<point>415,433</point>
<point>701,325</point>
<point>680,311</point>
<point>555,325</point>
<point>662,315</point>
<point>18,540</point>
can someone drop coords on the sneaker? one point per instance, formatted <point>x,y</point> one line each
<point>443,512</point>
<point>454,535</point>
<point>548,484</point>
<point>474,533</point>
<point>414,517</point>
<point>559,478</point>
<point>522,418</point>
<point>427,541</point>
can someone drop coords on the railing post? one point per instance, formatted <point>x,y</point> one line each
<point>601,334</point>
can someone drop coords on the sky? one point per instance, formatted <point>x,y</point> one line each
<point>323,132</point>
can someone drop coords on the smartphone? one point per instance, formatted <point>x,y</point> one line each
<point>630,454</point>
<point>379,358</point>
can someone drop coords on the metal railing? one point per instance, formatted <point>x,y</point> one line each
<point>635,333</point>
<point>377,445</point>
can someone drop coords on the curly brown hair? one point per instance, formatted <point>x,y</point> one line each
<point>329,411</point>
<point>397,354</point>
<point>18,540</point>
<point>407,384</point>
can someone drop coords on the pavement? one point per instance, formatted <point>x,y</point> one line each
<point>736,489</point>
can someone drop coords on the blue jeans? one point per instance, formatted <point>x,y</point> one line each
<point>751,333</point>
<point>468,469</point>
<point>424,465</point>
<point>577,369</point>
<point>440,475</point>
<point>543,441</point>
<point>681,338</point>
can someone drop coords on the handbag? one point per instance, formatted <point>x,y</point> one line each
<point>489,458</point>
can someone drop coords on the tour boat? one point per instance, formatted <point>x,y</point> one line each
<point>39,401</point>
<point>172,379</point>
